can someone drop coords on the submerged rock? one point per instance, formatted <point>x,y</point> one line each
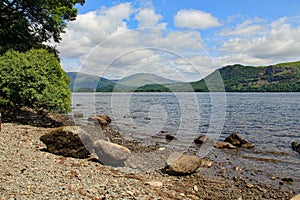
<point>201,139</point>
<point>170,137</point>
<point>110,153</point>
<point>180,164</point>
<point>238,141</point>
<point>296,146</point>
<point>69,141</point>
<point>78,115</point>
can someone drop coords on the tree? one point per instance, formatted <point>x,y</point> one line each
<point>26,24</point>
<point>34,79</point>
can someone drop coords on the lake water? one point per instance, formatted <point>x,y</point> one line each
<point>269,120</point>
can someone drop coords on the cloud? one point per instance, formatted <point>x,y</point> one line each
<point>102,43</point>
<point>92,28</point>
<point>195,19</point>
<point>148,18</point>
<point>246,29</point>
<point>279,41</point>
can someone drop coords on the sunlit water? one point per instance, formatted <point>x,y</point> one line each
<point>269,120</point>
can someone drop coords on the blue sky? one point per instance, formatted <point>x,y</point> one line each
<point>183,40</point>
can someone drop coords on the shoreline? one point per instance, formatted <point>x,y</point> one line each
<point>27,171</point>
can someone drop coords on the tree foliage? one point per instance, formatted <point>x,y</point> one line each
<point>34,79</point>
<point>26,24</point>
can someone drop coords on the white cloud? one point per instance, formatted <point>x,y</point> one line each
<point>148,18</point>
<point>195,19</point>
<point>279,41</point>
<point>92,28</point>
<point>247,28</point>
<point>103,44</point>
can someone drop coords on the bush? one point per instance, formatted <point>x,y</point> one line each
<point>34,79</point>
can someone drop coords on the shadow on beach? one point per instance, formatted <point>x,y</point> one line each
<point>40,118</point>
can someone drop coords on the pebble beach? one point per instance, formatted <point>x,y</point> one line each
<point>28,171</point>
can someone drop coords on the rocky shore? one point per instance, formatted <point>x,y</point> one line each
<point>27,171</point>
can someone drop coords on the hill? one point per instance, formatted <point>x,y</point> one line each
<point>81,82</point>
<point>284,77</point>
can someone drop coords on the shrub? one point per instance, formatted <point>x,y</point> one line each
<point>34,79</point>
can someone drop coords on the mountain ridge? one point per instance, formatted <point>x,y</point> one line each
<point>282,77</point>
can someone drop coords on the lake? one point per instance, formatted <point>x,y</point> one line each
<point>269,120</point>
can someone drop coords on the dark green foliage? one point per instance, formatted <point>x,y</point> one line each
<point>34,79</point>
<point>26,24</point>
<point>153,88</point>
<point>284,77</point>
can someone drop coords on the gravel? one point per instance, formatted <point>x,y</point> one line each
<point>27,171</point>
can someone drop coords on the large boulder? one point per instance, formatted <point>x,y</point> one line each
<point>296,146</point>
<point>181,164</point>
<point>110,153</point>
<point>69,141</point>
<point>238,141</point>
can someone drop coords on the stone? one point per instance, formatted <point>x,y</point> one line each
<point>163,131</point>
<point>69,141</point>
<point>103,120</point>
<point>296,146</point>
<point>221,145</point>
<point>78,115</point>
<point>181,164</point>
<point>248,145</point>
<point>206,163</point>
<point>154,183</point>
<point>110,153</point>
<point>297,197</point>
<point>238,141</point>
<point>201,139</point>
<point>170,137</point>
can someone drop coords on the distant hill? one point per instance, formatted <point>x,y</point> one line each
<point>81,82</point>
<point>141,79</point>
<point>284,77</point>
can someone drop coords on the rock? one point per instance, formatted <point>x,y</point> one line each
<point>237,168</point>
<point>106,117</point>
<point>163,131</point>
<point>111,153</point>
<point>296,146</point>
<point>248,145</point>
<point>238,141</point>
<point>170,137</point>
<point>78,115</point>
<point>103,120</point>
<point>180,164</point>
<point>220,145</point>
<point>195,188</point>
<point>290,180</point>
<point>297,197</point>
<point>201,139</point>
<point>154,183</point>
<point>69,141</point>
<point>206,163</point>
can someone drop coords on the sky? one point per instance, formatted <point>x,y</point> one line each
<point>180,39</point>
